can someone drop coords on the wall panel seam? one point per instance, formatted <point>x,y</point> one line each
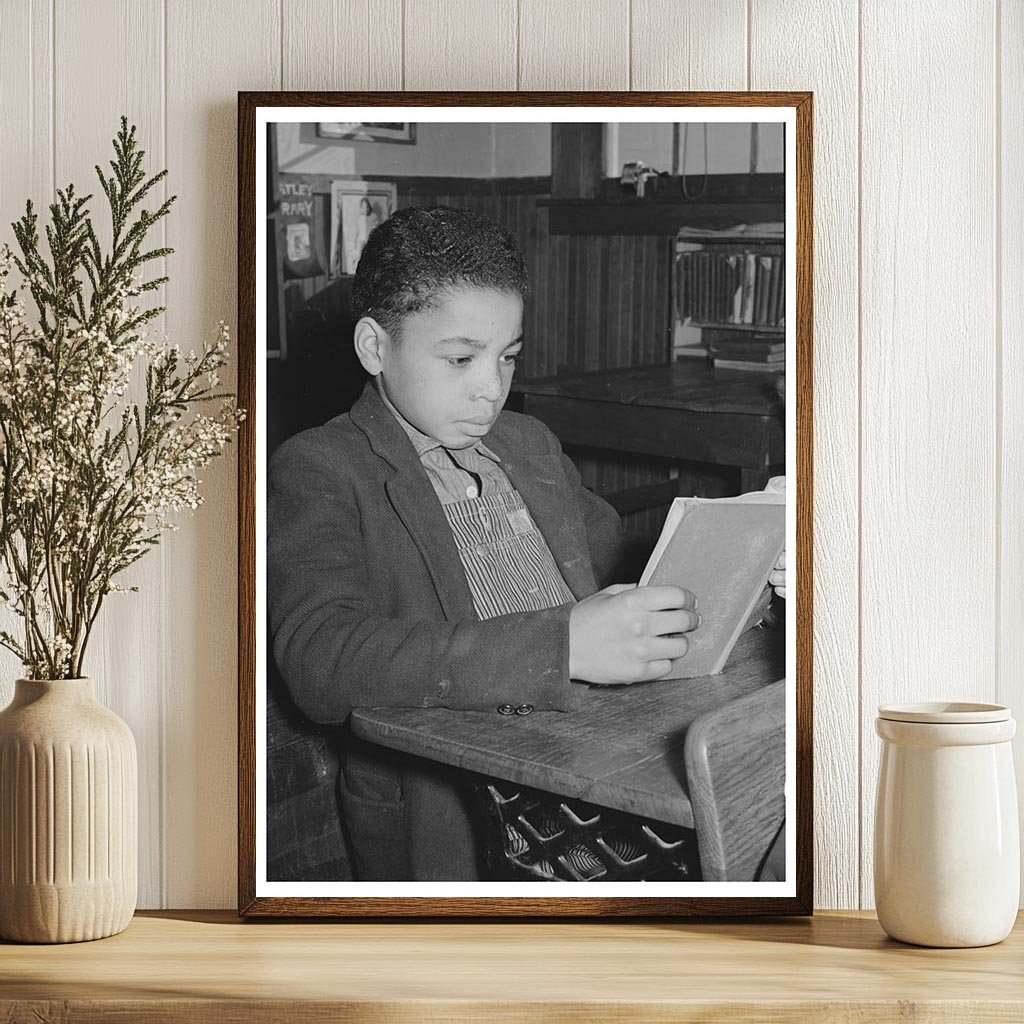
<point>31,89</point>
<point>162,697</point>
<point>860,455</point>
<point>519,44</point>
<point>53,97</point>
<point>750,43</point>
<point>997,233</point>
<point>629,45</point>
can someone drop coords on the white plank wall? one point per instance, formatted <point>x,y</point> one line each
<point>347,44</point>
<point>701,44</point>
<point>574,44</point>
<point>928,514</point>
<point>467,45</point>
<point>130,34</point>
<point>26,164</point>
<point>228,46</point>
<point>1009,260</point>
<point>919,302</point>
<point>780,58</point>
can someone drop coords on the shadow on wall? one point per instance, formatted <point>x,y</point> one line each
<point>321,378</point>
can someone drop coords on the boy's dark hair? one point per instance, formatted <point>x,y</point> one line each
<point>420,252</point>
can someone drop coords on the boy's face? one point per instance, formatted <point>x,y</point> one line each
<point>450,370</point>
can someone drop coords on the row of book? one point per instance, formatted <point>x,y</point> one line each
<point>716,286</point>
<point>759,353</point>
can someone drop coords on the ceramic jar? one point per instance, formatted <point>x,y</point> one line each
<point>68,815</point>
<point>947,847</point>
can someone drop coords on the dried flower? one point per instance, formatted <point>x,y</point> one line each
<point>89,479</point>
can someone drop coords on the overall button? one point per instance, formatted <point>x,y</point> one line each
<point>507,709</point>
<point>471,491</point>
<point>524,709</point>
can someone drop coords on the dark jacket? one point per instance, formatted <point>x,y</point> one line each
<point>369,605</point>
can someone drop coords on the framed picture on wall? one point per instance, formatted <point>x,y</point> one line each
<point>357,207</point>
<point>358,131</point>
<point>526,510</point>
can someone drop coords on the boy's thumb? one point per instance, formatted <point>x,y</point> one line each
<point>618,588</point>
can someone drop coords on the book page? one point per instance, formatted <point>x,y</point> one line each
<point>722,550</point>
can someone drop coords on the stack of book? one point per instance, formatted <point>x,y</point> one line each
<point>727,285</point>
<point>760,353</point>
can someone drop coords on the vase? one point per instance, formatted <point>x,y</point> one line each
<point>68,815</point>
<point>947,847</point>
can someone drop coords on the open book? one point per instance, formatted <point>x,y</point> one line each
<point>721,549</point>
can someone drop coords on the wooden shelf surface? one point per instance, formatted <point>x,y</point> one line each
<point>650,216</point>
<point>201,966</point>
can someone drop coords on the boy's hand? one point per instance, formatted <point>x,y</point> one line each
<point>625,633</point>
<point>777,577</point>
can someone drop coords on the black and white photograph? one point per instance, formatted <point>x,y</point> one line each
<point>525,509</point>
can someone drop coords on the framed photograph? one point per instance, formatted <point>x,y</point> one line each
<point>357,207</point>
<point>525,507</point>
<point>362,131</point>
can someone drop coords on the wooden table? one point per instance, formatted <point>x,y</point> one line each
<point>702,753</point>
<point>207,966</point>
<point>682,411</point>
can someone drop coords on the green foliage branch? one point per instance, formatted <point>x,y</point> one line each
<point>89,477</point>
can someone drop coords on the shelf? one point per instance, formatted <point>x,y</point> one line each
<point>726,200</point>
<point>753,328</point>
<point>743,241</point>
<point>205,966</point>
<point>649,216</point>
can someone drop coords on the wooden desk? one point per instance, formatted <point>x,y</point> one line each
<point>207,967</point>
<point>682,411</point>
<point>702,753</point>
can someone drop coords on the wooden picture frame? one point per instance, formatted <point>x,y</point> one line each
<point>579,192</point>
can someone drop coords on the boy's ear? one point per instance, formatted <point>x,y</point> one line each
<point>370,340</point>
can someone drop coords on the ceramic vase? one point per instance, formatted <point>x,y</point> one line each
<point>947,847</point>
<point>68,815</point>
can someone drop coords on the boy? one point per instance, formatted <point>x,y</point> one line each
<point>411,563</point>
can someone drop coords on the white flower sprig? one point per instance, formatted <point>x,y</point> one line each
<point>89,479</point>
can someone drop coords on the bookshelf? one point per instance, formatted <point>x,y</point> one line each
<point>731,287</point>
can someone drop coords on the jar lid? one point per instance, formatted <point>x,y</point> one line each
<point>945,712</point>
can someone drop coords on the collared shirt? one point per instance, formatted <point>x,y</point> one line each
<point>455,474</point>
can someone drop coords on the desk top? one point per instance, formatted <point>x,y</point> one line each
<point>623,749</point>
<point>206,966</point>
<point>686,385</point>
